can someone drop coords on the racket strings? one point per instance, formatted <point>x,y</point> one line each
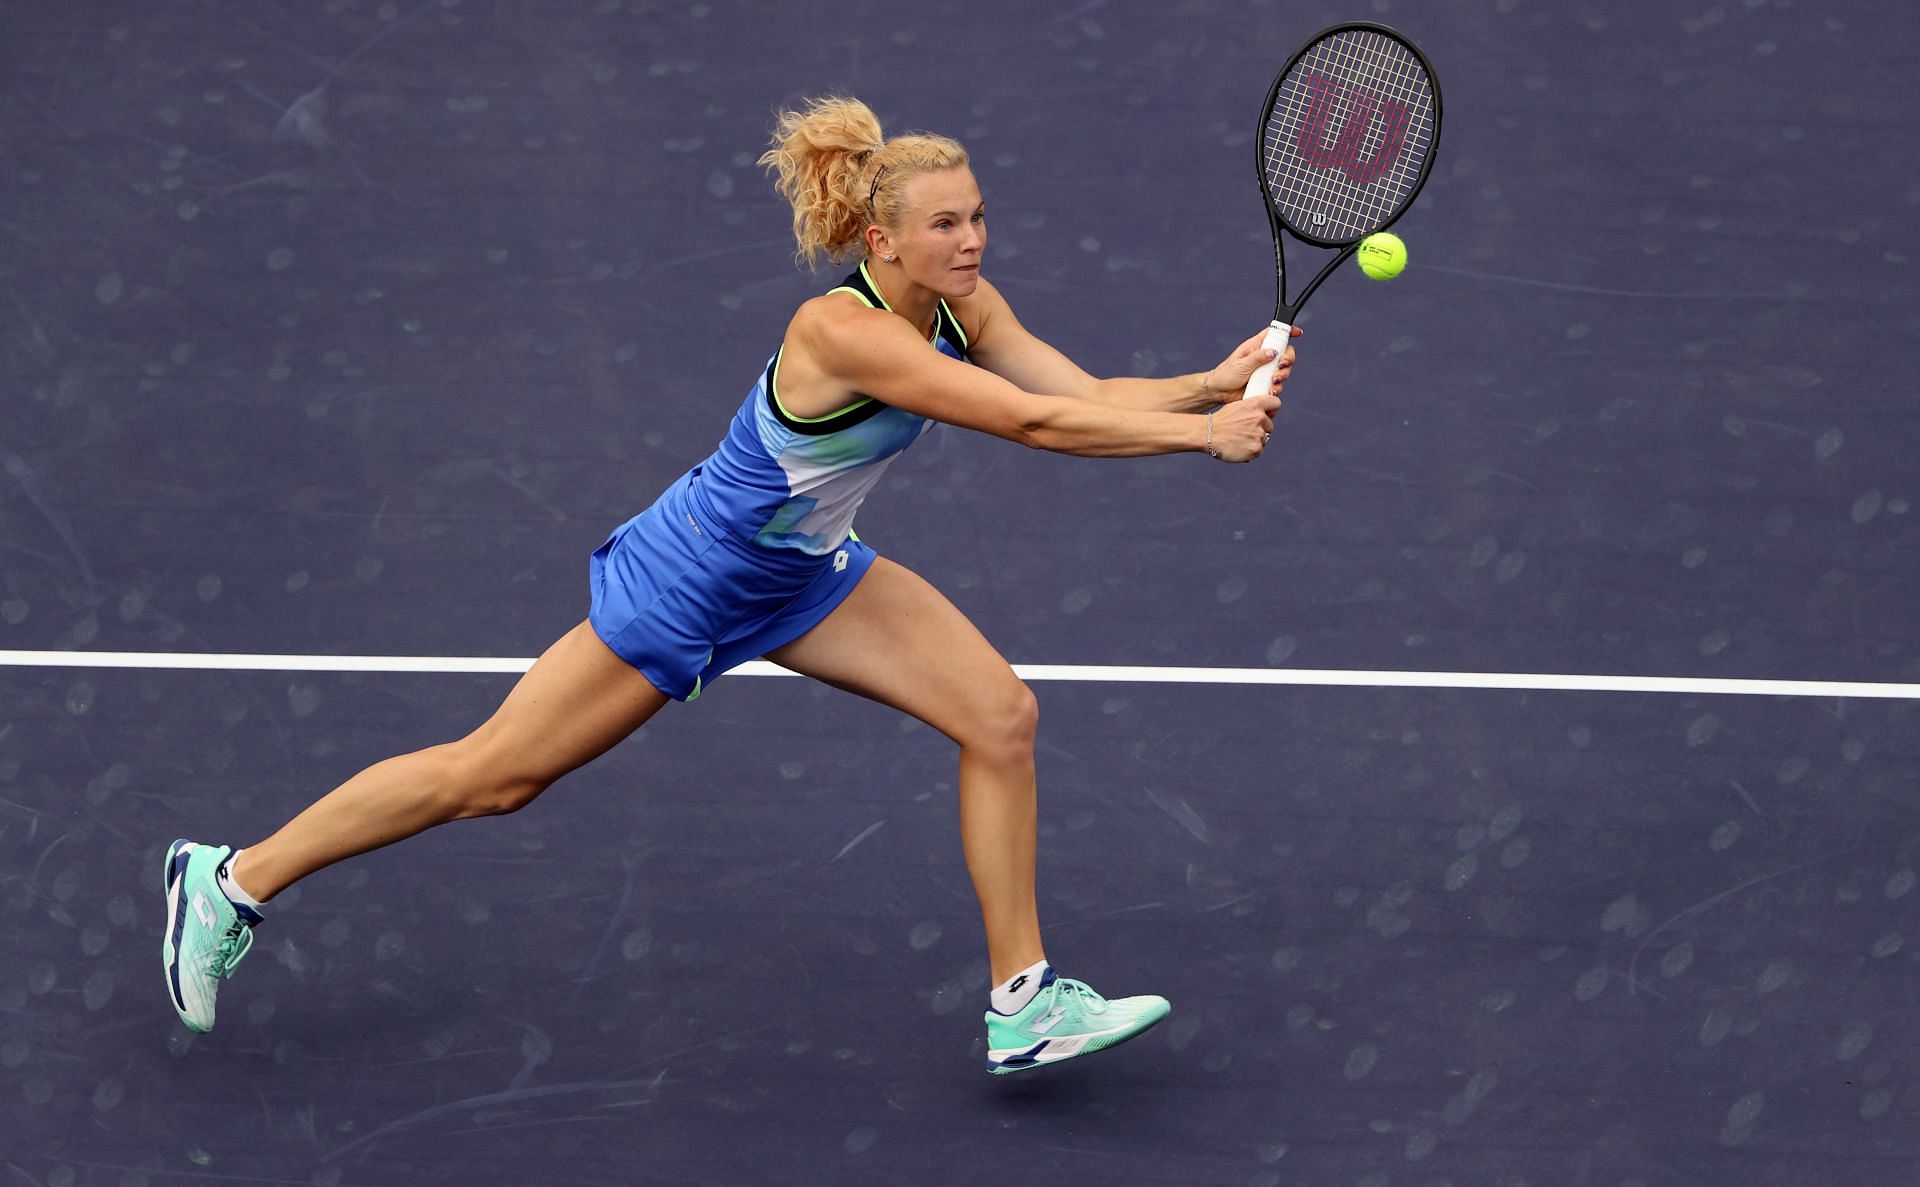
<point>1338,90</point>
<point>1368,128</point>
<point>1348,135</point>
<point>1354,99</point>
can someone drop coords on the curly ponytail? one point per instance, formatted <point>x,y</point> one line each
<point>840,173</point>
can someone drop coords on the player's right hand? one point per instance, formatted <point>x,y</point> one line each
<point>1228,381</point>
<point>1241,429</point>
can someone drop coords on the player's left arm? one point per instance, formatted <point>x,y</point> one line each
<point>1008,349</point>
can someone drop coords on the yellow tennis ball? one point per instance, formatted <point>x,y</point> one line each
<point>1382,255</point>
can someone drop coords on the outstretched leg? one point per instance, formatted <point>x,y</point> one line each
<point>898,641</point>
<point>577,701</point>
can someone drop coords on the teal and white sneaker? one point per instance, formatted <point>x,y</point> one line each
<point>1066,1018</point>
<point>208,935</point>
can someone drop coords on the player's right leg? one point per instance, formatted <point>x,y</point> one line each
<point>575,703</point>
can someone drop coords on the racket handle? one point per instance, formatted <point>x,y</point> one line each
<point>1276,340</point>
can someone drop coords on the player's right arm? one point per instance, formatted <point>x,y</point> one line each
<point>1004,346</point>
<point>855,351</point>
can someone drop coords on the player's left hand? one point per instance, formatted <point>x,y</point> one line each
<point>1228,381</point>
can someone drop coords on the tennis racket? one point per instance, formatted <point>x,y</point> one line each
<point>1346,141</point>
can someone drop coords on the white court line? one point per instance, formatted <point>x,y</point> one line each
<point>1086,673</point>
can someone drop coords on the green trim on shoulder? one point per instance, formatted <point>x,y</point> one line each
<point>942,310</point>
<point>960,331</point>
<point>875,286</point>
<point>870,295</point>
<point>847,288</point>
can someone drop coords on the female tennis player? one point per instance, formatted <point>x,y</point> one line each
<point>752,553</point>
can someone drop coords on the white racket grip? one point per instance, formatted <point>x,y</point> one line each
<point>1278,333</point>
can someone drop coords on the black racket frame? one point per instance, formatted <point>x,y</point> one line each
<point>1282,311</point>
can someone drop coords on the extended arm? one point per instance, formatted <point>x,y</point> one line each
<point>1005,347</point>
<point>873,353</point>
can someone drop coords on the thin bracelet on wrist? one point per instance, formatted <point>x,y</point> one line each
<point>1211,451</point>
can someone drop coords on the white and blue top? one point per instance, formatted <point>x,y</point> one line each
<point>785,481</point>
<point>754,547</point>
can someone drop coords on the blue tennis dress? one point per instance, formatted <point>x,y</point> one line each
<point>754,546</point>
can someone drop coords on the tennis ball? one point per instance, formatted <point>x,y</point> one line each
<point>1382,255</point>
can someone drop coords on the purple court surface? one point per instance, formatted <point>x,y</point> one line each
<point>349,328</point>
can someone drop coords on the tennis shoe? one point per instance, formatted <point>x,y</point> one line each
<point>1066,1018</point>
<point>208,934</point>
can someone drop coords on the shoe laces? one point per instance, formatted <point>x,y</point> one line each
<point>234,946</point>
<point>1077,995</point>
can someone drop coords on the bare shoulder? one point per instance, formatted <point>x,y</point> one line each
<point>833,322</point>
<point>837,349</point>
<point>813,376</point>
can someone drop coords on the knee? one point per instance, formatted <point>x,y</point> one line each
<point>1023,714</point>
<point>1007,720</point>
<point>501,795</point>
<point>482,783</point>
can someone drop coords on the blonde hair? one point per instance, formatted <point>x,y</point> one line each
<point>841,174</point>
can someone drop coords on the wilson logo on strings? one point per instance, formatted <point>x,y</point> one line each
<point>1344,151</point>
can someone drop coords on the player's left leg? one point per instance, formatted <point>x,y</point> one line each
<point>897,640</point>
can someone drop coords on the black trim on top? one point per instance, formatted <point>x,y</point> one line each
<point>846,418</point>
<point>945,322</point>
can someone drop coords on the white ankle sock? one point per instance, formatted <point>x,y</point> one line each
<point>230,888</point>
<point>1012,996</point>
